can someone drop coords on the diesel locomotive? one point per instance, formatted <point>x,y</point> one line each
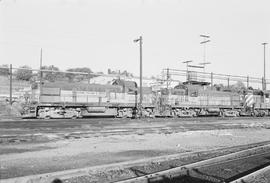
<point>120,99</point>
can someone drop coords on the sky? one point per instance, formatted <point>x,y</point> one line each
<point>99,34</point>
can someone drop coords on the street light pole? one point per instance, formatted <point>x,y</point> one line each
<point>264,79</point>
<point>141,92</point>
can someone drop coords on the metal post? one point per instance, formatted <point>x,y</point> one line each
<point>186,62</point>
<point>247,82</point>
<point>264,79</point>
<point>167,78</point>
<point>141,91</point>
<point>10,84</point>
<point>228,84</point>
<point>211,80</point>
<point>136,99</point>
<point>187,72</point>
<point>263,83</point>
<point>40,67</point>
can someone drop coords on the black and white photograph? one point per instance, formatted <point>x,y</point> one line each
<point>134,91</point>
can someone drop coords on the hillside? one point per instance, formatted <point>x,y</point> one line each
<point>17,86</point>
<point>9,112</point>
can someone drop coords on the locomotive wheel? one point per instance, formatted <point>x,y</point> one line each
<point>262,114</point>
<point>221,114</point>
<point>47,117</point>
<point>74,117</point>
<point>120,114</point>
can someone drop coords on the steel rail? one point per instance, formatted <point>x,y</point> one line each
<point>75,173</point>
<point>173,173</point>
<point>250,178</point>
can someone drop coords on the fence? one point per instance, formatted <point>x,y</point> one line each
<point>171,75</point>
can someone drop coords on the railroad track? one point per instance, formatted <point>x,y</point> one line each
<point>252,165</point>
<point>234,165</point>
<point>262,175</point>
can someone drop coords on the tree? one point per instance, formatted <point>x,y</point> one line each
<point>219,87</point>
<point>239,86</point>
<point>78,77</point>
<point>24,73</point>
<point>51,76</point>
<point>4,70</point>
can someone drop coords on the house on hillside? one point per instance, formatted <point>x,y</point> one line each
<point>127,86</point>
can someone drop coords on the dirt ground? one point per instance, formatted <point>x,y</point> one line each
<point>95,142</point>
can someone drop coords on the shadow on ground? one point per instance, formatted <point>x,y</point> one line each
<point>190,176</point>
<point>185,178</point>
<point>182,179</point>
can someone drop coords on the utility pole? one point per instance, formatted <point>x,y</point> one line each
<point>186,62</point>
<point>141,91</point>
<point>247,81</point>
<point>10,84</point>
<point>205,37</point>
<point>167,79</point>
<point>193,77</point>
<point>40,67</point>
<point>212,78</point>
<point>264,79</point>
